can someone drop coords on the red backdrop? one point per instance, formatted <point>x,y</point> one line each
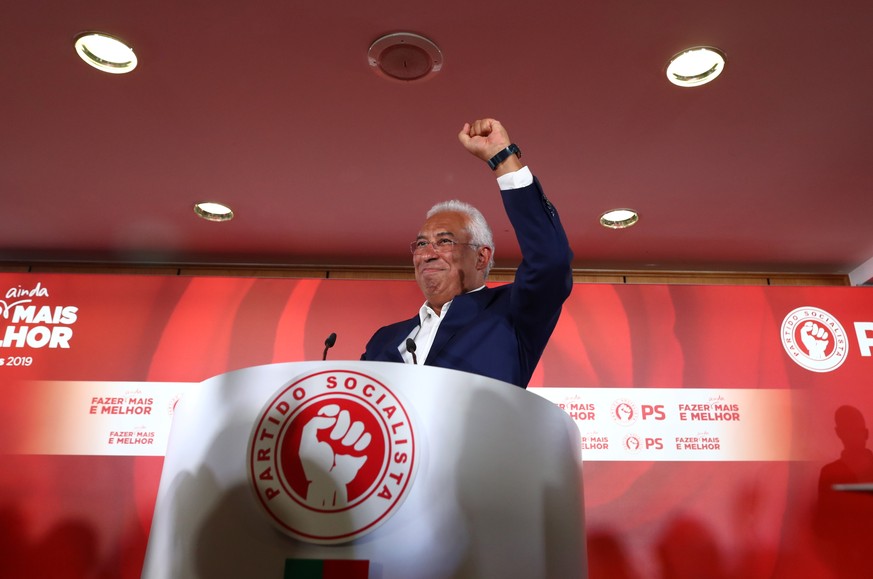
<point>88,515</point>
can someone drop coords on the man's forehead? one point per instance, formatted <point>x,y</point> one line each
<point>424,234</point>
<point>444,223</point>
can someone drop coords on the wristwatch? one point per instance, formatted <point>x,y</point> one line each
<point>503,155</point>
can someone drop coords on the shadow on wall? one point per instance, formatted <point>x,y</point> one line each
<point>687,548</point>
<point>607,558</point>
<point>69,549</point>
<point>843,519</point>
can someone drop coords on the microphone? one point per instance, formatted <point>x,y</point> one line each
<point>328,344</point>
<point>410,347</point>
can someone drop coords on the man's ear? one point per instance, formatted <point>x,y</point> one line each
<point>483,256</point>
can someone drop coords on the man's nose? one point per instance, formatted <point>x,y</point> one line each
<point>429,252</point>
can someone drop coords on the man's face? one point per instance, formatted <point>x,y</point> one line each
<point>442,275</point>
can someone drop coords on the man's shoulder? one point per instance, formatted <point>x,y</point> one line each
<point>488,294</point>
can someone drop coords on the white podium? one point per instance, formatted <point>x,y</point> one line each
<point>422,472</point>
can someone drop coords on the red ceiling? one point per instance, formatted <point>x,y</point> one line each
<point>272,108</point>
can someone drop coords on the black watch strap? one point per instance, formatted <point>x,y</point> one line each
<point>503,155</point>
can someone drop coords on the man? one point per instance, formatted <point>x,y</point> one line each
<point>497,332</point>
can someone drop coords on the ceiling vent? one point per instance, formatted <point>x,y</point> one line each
<point>405,56</point>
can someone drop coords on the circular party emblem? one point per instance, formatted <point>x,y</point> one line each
<point>624,412</point>
<point>332,456</point>
<point>814,339</point>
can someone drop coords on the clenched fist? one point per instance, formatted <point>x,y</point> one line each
<point>484,139</point>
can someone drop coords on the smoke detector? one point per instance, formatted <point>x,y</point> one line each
<point>405,56</point>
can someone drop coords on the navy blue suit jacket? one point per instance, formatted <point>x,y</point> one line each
<point>501,332</point>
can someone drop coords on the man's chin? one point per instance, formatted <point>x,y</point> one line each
<point>432,285</point>
<point>429,287</point>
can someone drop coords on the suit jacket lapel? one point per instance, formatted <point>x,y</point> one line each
<point>399,336</point>
<point>462,312</point>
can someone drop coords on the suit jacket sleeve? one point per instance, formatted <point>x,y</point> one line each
<point>544,279</point>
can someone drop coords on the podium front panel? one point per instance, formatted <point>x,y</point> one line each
<point>421,472</point>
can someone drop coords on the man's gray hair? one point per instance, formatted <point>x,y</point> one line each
<point>477,227</point>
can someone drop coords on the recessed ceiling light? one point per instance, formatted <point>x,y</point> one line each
<point>619,218</point>
<point>105,53</point>
<point>695,66</point>
<point>211,211</point>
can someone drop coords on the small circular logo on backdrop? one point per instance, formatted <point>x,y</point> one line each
<point>624,412</point>
<point>632,443</point>
<point>332,456</point>
<point>814,339</point>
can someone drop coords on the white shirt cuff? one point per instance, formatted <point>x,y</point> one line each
<point>515,180</point>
